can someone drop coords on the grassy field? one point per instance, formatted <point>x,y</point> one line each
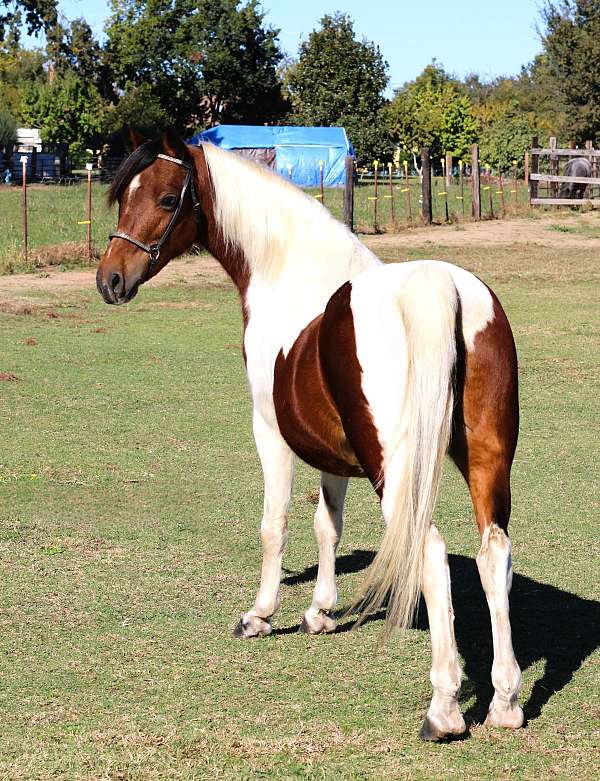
<point>57,238</point>
<point>130,499</point>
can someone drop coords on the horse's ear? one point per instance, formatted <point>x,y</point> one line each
<point>173,144</point>
<point>132,138</point>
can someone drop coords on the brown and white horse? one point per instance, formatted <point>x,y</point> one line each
<point>360,369</point>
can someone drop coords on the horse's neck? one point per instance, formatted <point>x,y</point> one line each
<point>280,307</point>
<point>298,257</point>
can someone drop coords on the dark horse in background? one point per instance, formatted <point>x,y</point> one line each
<point>578,166</point>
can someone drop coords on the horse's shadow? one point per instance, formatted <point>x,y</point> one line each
<point>548,624</point>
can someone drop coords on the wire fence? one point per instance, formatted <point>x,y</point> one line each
<point>44,224</point>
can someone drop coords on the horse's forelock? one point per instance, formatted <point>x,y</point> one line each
<point>137,161</point>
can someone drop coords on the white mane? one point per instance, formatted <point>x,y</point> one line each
<point>274,222</point>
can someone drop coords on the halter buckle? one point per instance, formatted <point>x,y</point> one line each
<point>154,252</point>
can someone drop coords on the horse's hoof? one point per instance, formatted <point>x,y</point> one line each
<point>511,718</point>
<point>319,622</point>
<point>433,732</point>
<point>252,626</point>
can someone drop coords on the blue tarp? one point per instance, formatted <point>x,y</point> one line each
<point>298,150</point>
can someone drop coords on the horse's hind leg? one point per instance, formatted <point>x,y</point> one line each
<point>319,617</point>
<point>443,718</point>
<point>483,446</point>
<point>491,498</point>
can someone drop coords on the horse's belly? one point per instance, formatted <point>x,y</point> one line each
<point>306,414</point>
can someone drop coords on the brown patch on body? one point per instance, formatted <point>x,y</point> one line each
<point>486,421</point>
<point>321,410</point>
<point>306,413</point>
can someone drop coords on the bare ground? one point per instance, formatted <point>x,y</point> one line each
<point>554,231</point>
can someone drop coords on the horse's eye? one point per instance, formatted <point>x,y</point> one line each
<point>168,201</point>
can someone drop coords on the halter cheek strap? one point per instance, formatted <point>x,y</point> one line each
<point>154,250</point>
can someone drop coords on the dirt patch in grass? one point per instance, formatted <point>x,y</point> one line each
<point>8,377</point>
<point>576,230</point>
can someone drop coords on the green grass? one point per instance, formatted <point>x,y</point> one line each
<point>579,229</point>
<point>54,214</point>
<point>130,497</point>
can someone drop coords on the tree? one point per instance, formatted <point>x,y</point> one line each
<point>138,107</point>
<point>572,45</point>
<point>202,61</point>
<point>435,111</point>
<point>339,80</point>
<point>505,138</point>
<point>39,15</point>
<point>19,68</point>
<point>533,93</point>
<point>67,110</point>
<point>8,128</point>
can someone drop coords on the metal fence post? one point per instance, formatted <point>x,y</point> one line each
<point>24,204</point>
<point>426,185</point>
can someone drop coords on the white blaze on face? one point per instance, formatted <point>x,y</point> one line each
<point>133,186</point>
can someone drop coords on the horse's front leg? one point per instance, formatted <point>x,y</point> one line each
<point>277,462</point>
<point>319,617</point>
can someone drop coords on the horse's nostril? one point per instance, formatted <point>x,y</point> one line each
<point>116,283</point>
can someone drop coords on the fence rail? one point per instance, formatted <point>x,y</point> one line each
<point>566,152</point>
<point>567,179</point>
<point>565,201</point>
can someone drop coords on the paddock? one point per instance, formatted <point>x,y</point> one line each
<point>130,505</point>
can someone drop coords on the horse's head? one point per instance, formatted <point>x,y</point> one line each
<point>159,215</point>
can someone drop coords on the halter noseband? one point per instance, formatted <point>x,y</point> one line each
<point>153,250</point>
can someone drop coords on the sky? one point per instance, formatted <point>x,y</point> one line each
<point>489,38</point>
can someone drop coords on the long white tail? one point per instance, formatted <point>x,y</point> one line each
<point>413,465</point>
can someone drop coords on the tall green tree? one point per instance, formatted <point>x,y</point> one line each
<point>202,61</point>
<point>572,44</point>
<point>8,128</point>
<point>339,80</point>
<point>37,15</point>
<point>19,69</point>
<point>504,139</point>
<point>434,110</point>
<point>66,110</point>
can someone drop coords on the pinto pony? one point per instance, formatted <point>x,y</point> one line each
<point>360,369</point>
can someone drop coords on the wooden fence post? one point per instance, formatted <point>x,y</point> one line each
<point>426,186</point>
<point>593,163</point>
<point>407,190</point>
<point>376,196</point>
<point>553,168</point>
<point>349,193</point>
<point>448,170</point>
<point>475,182</point>
<point>535,164</point>
<point>391,195</point>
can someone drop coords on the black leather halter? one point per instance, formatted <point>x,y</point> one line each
<point>154,249</point>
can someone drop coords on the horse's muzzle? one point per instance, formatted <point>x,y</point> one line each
<point>113,288</point>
